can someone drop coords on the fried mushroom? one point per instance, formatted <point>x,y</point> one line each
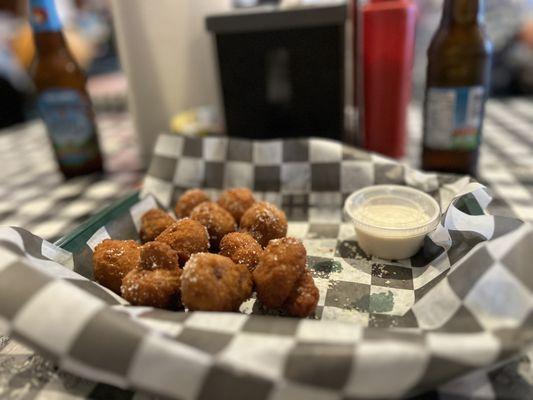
<point>264,221</point>
<point>112,260</point>
<point>211,282</point>
<point>279,268</point>
<point>186,236</point>
<point>188,200</point>
<point>153,222</point>
<point>242,248</point>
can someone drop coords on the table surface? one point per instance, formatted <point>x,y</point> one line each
<point>34,196</point>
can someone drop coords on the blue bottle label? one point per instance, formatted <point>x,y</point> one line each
<point>44,16</point>
<point>453,117</point>
<point>66,115</point>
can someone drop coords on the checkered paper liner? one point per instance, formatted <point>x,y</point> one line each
<point>385,329</point>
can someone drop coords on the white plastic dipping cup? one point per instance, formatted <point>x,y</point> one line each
<point>391,221</point>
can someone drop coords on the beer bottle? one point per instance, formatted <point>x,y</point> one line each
<point>62,99</point>
<point>458,73</point>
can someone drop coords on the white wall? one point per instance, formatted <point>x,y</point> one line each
<point>169,59</point>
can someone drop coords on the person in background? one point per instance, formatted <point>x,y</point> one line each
<point>513,59</point>
<point>87,32</point>
<point>510,28</point>
<point>82,45</point>
<point>94,23</point>
<point>14,81</point>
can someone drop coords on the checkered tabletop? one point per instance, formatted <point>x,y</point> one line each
<point>34,195</point>
<point>375,294</point>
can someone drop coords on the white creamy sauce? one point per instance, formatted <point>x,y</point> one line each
<point>391,230</point>
<point>391,221</point>
<point>392,215</point>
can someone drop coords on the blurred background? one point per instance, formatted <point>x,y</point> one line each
<point>173,64</point>
<point>256,69</point>
<point>510,28</point>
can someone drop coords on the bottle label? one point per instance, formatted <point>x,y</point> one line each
<point>453,116</point>
<point>44,16</point>
<point>66,115</point>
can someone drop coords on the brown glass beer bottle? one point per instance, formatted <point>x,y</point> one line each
<point>62,99</point>
<point>458,73</point>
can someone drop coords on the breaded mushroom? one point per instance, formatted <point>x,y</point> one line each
<point>112,260</point>
<point>242,248</point>
<point>187,237</point>
<point>279,268</point>
<point>157,280</point>
<point>218,221</point>
<point>156,255</point>
<point>236,201</point>
<point>211,282</point>
<point>153,222</point>
<point>264,221</point>
<point>303,298</point>
<point>188,200</point>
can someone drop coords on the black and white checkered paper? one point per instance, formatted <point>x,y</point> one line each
<point>382,329</point>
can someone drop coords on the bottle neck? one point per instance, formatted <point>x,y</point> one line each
<point>463,12</point>
<point>49,42</point>
<point>46,26</point>
<point>44,16</point>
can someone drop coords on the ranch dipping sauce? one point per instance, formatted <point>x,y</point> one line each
<point>391,221</point>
